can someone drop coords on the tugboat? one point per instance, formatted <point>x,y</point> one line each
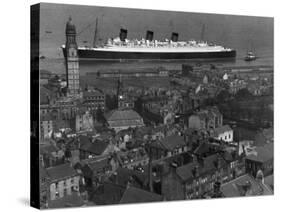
<point>250,56</point>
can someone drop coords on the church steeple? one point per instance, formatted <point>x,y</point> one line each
<point>72,60</point>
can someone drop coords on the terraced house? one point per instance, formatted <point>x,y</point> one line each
<point>197,179</point>
<point>64,181</point>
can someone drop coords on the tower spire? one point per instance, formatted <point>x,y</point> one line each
<point>72,60</point>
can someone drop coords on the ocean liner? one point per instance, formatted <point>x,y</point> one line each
<point>121,48</point>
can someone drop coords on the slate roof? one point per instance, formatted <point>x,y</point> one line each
<point>244,186</point>
<point>108,194</point>
<point>118,115</point>
<point>269,180</point>
<point>98,163</point>
<point>222,129</point>
<point>123,175</point>
<point>136,195</point>
<point>61,172</point>
<point>45,94</point>
<point>263,153</point>
<point>185,172</point>
<point>96,147</point>
<point>203,148</point>
<point>92,93</point>
<point>48,149</point>
<point>172,142</point>
<point>207,165</point>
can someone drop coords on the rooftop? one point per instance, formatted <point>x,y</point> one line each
<point>136,195</point>
<point>45,95</point>
<point>222,129</point>
<point>123,175</point>
<point>207,164</point>
<point>173,141</point>
<point>262,153</point>
<point>244,186</point>
<point>96,147</point>
<point>96,164</point>
<point>91,93</point>
<point>208,112</point>
<point>118,115</point>
<point>132,155</point>
<point>60,172</point>
<point>48,149</point>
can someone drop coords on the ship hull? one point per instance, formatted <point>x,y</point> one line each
<point>114,55</point>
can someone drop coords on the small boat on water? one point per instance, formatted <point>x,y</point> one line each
<point>250,56</point>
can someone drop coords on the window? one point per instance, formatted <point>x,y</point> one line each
<point>72,188</point>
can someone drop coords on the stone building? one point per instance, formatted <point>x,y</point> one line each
<point>196,180</point>
<point>46,126</point>
<point>169,146</point>
<point>72,60</point>
<point>94,99</point>
<point>224,133</point>
<point>260,159</point>
<point>123,119</point>
<point>64,181</point>
<point>84,120</point>
<point>206,119</point>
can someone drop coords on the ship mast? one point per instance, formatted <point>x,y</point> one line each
<point>96,33</point>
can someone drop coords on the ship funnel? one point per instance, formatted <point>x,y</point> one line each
<point>149,35</point>
<point>123,34</point>
<point>175,37</point>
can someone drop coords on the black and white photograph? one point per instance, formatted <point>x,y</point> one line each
<point>141,105</point>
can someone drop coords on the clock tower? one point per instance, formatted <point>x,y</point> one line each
<point>72,60</point>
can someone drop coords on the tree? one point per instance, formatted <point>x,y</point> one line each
<point>223,96</point>
<point>111,102</point>
<point>138,105</point>
<point>243,94</point>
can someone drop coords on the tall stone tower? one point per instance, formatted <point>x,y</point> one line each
<point>72,60</point>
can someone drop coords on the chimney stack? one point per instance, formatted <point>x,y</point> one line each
<point>149,35</point>
<point>123,34</point>
<point>175,37</point>
<point>114,176</point>
<point>195,171</point>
